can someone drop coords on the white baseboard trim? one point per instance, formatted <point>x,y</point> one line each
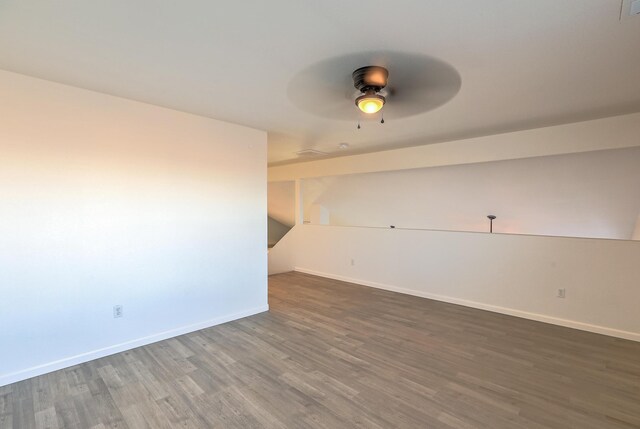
<point>627,335</point>
<point>117,348</point>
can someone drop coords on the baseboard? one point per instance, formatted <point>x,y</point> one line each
<point>627,335</point>
<point>117,348</point>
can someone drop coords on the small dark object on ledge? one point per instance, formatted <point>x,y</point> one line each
<point>491,219</point>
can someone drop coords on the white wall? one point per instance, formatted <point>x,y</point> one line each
<point>106,201</point>
<point>281,202</point>
<point>636,230</point>
<point>281,256</point>
<point>581,195</point>
<point>616,132</point>
<point>510,274</point>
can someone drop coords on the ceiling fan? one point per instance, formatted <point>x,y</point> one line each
<point>405,84</point>
<point>370,80</point>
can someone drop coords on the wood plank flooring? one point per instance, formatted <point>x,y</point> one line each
<point>336,355</point>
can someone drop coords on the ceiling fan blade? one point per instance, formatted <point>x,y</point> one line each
<point>417,84</point>
<point>320,91</point>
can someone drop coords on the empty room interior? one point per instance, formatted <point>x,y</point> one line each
<point>336,214</point>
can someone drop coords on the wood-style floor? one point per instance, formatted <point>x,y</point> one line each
<point>336,355</point>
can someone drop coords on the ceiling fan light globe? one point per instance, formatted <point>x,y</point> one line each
<point>370,103</point>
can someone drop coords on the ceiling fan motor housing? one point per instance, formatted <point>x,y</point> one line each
<point>370,78</point>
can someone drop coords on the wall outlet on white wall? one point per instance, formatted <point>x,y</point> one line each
<point>561,293</point>
<point>117,311</point>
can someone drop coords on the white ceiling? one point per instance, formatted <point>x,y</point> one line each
<point>522,64</point>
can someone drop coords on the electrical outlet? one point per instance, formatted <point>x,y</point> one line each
<point>561,293</point>
<point>353,262</point>
<point>117,311</point>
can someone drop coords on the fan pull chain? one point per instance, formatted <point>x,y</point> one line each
<point>358,123</point>
<point>382,120</point>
